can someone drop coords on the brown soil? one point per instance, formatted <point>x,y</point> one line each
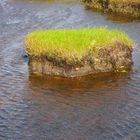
<point>105,60</point>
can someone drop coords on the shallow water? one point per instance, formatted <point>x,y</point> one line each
<point>105,106</point>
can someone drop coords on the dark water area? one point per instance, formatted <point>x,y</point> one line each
<point>96,107</point>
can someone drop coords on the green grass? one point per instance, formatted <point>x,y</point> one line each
<point>72,46</point>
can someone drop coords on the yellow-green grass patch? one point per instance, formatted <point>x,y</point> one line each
<point>73,46</point>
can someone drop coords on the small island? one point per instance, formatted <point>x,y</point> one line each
<point>72,53</point>
<point>129,8</point>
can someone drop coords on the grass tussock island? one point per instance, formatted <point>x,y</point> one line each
<point>78,52</point>
<point>130,8</point>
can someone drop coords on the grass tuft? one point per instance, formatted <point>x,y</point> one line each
<point>128,8</point>
<point>72,46</point>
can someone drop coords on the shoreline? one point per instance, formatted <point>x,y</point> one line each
<point>124,9</point>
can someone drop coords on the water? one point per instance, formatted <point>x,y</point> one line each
<point>99,107</point>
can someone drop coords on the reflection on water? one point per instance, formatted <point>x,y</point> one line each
<point>94,106</point>
<point>102,106</point>
<point>80,84</point>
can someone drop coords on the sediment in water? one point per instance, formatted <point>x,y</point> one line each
<point>129,8</point>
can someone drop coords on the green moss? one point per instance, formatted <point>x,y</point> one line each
<point>72,46</point>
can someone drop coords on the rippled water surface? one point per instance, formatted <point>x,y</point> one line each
<point>96,107</point>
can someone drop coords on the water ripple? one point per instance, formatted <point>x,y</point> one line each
<point>104,106</point>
